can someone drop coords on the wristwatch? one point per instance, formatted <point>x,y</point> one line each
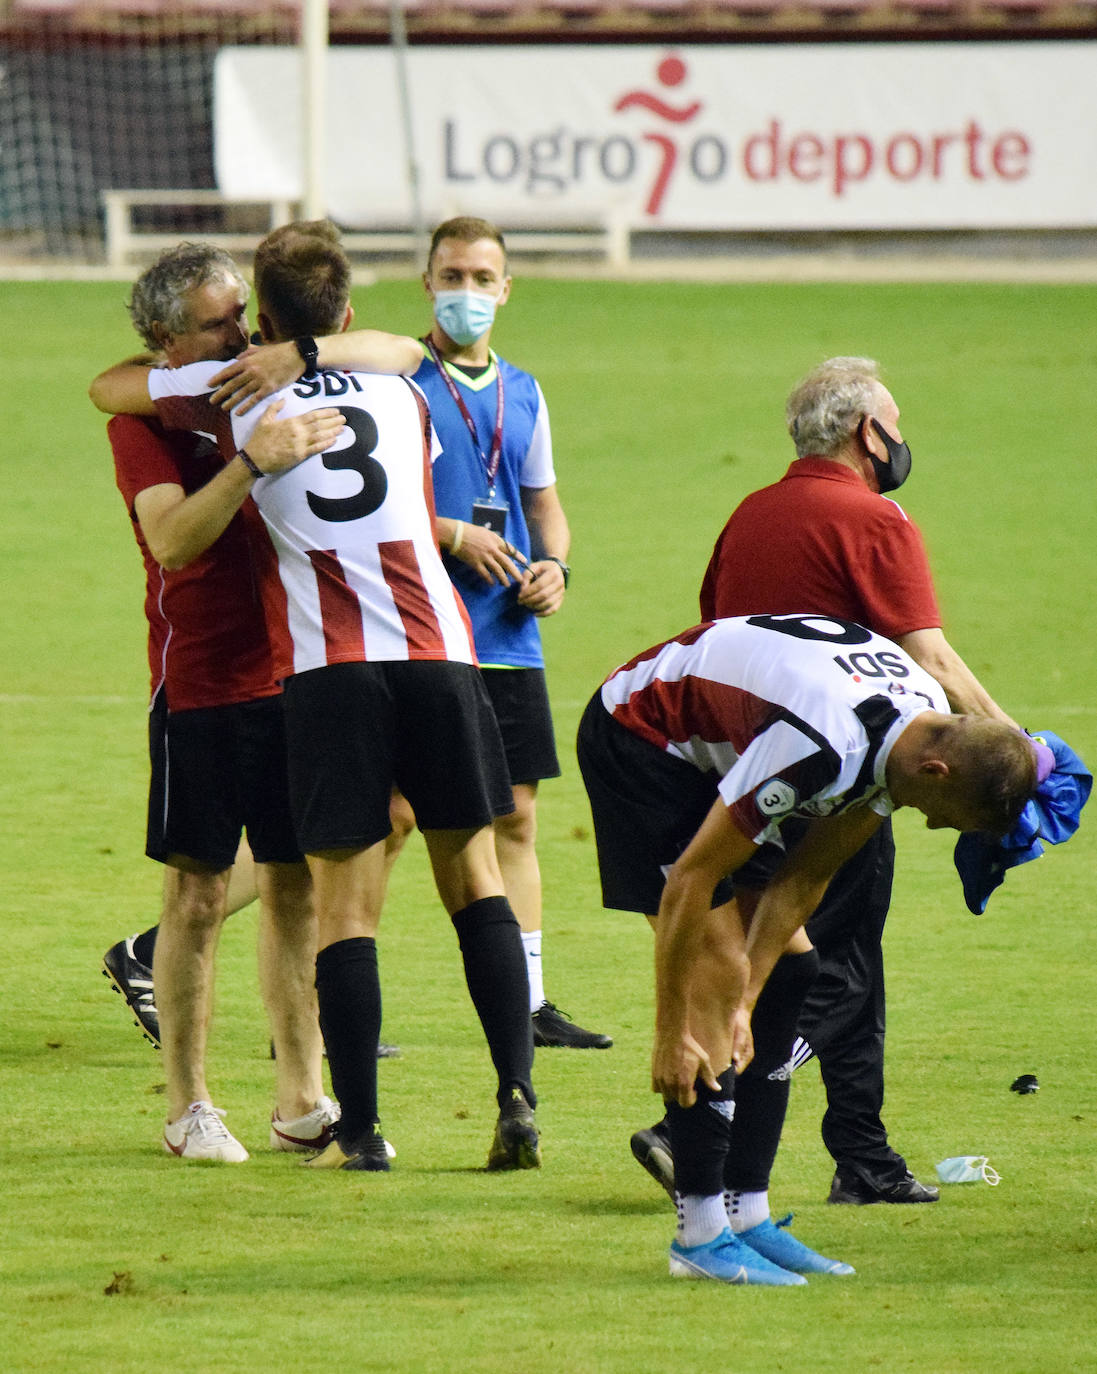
<point>307,347</point>
<point>562,566</point>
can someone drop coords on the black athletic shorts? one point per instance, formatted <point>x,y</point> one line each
<point>356,730</point>
<point>218,771</point>
<point>647,805</point>
<point>519,698</point>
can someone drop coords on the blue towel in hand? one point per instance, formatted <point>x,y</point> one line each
<point>1052,816</point>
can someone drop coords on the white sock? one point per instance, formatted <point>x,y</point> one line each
<point>745,1211</point>
<point>531,943</point>
<point>700,1219</point>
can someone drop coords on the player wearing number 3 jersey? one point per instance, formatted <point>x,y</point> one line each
<point>731,772</point>
<point>501,519</point>
<point>351,571</point>
<point>380,689</point>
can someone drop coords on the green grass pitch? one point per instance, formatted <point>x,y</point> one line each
<point>667,406</point>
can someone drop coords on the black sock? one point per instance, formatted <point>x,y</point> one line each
<point>348,990</point>
<point>760,1107</point>
<point>699,1138</point>
<point>761,1093</point>
<point>495,971</point>
<point>143,946</point>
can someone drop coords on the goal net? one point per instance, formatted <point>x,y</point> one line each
<point>101,94</point>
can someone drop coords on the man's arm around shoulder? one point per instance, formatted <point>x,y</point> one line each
<point>124,388</point>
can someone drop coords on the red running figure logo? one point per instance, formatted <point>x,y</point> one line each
<point>670,72</point>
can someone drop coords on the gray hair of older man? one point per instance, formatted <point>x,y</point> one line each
<point>826,407</point>
<point>159,304</point>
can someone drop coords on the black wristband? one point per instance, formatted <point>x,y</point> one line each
<point>250,463</point>
<point>307,347</point>
<point>562,566</point>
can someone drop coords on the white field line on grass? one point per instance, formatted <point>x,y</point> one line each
<point>1030,712</point>
<point>817,266</point>
<point>562,703</point>
<point>68,699</point>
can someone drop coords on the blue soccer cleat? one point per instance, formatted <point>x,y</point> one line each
<point>728,1260</point>
<point>773,1242</point>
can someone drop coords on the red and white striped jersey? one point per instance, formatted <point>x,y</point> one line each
<point>350,570</point>
<point>795,714</point>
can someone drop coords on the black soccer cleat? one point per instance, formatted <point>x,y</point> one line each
<point>370,1153</point>
<point>517,1144</point>
<point>651,1150</point>
<point>133,980</point>
<point>554,1029</point>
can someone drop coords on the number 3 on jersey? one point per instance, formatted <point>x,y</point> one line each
<point>358,457</point>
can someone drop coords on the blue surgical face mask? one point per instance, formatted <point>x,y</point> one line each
<point>966,1169</point>
<point>464,315</point>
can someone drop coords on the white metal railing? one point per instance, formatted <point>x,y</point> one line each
<point>124,239</point>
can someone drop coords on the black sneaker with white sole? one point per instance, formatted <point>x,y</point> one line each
<point>133,980</point>
<point>859,1187</point>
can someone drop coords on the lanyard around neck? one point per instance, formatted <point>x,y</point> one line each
<point>491,461</point>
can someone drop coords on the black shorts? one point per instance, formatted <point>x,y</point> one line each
<point>647,805</point>
<point>218,771</point>
<point>356,730</point>
<point>520,701</point>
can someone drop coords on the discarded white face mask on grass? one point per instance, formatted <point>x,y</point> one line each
<point>967,1169</point>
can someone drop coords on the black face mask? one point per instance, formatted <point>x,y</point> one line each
<point>890,475</point>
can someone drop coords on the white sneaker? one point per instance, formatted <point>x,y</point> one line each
<point>307,1133</point>
<point>201,1134</point>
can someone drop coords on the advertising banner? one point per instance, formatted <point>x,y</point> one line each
<point>723,137</point>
